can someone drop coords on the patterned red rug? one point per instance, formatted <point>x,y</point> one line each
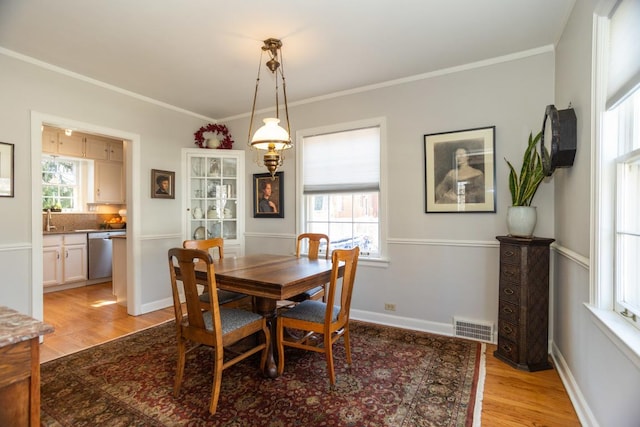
<point>398,378</point>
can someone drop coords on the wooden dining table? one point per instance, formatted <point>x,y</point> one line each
<point>271,278</point>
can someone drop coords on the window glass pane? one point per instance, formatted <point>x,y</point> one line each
<point>629,271</point>
<point>340,207</point>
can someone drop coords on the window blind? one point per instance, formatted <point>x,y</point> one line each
<point>342,161</point>
<point>624,52</point>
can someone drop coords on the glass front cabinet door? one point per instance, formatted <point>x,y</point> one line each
<point>214,196</point>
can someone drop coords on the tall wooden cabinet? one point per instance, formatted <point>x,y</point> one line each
<point>214,196</point>
<point>523,304</point>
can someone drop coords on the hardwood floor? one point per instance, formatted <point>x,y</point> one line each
<point>87,316</point>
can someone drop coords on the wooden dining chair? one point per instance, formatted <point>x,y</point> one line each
<point>218,327</point>
<point>314,241</point>
<point>226,298</point>
<point>329,318</point>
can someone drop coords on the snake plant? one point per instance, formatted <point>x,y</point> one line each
<point>524,187</point>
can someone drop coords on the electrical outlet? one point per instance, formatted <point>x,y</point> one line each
<point>389,306</point>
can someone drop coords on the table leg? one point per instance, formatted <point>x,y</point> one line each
<point>268,308</point>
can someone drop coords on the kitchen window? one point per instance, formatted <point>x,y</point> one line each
<point>61,179</point>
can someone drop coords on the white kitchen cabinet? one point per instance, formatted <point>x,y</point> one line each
<point>213,196</point>
<point>99,148</point>
<point>64,258</point>
<point>51,260</point>
<point>109,182</point>
<point>56,142</point>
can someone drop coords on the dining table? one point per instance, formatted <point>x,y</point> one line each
<point>271,278</point>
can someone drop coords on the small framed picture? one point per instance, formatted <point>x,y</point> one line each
<point>6,169</point>
<point>163,184</point>
<point>459,170</point>
<point>268,195</point>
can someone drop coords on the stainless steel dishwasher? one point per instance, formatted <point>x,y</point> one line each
<point>100,254</point>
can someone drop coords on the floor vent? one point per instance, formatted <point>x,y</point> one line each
<point>480,331</point>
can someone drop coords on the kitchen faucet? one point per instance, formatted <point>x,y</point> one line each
<point>49,226</point>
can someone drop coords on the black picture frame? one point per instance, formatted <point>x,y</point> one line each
<point>157,177</point>
<point>277,195</point>
<point>7,163</point>
<point>459,171</point>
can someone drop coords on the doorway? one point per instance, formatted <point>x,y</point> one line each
<point>132,155</point>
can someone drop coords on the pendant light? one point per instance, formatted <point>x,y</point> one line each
<point>271,137</point>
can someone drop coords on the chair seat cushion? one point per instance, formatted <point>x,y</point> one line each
<point>310,311</point>
<point>307,294</point>
<point>231,318</point>
<point>224,297</point>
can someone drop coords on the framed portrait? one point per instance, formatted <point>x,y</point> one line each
<point>6,169</point>
<point>163,184</point>
<point>268,195</point>
<point>459,171</point>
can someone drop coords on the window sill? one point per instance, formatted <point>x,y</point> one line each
<point>374,262</point>
<point>623,335</point>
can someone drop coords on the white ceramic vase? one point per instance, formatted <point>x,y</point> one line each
<point>521,221</point>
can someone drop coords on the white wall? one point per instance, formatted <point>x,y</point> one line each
<point>162,133</point>
<point>603,382</point>
<point>440,265</point>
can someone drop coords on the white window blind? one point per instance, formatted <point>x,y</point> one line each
<point>342,161</point>
<point>624,52</point>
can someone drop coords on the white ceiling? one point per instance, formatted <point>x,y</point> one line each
<point>203,55</point>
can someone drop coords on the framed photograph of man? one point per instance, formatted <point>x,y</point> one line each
<point>459,171</point>
<point>268,195</point>
<point>163,184</point>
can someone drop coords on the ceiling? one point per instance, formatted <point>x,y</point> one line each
<point>203,55</point>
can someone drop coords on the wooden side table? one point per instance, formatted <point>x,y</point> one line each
<point>523,304</point>
<point>20,368</point>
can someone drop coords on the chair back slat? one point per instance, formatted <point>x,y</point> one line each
<point>187,260</point>
<point>314,241</point>
<point>207,245</point>
<point>341,288</point>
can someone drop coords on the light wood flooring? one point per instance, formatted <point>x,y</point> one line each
<point>87,316</point>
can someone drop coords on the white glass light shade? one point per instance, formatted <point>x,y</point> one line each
<point>271,134</point>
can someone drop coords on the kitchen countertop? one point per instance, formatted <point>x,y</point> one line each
<point>92,230</point>
<point>17,327</point>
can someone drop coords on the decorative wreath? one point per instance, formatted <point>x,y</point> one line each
<point>225,143</point>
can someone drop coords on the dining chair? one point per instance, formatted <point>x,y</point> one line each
<point>226,298</point>
<point>329,318</point>
<point>218,327</point>
<point>314,241</point>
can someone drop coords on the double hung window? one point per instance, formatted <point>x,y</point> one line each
<point>341,187</point>
<point>60,183</point>
<point>617,170</point>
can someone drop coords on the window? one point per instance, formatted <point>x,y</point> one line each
<point>341,187</point>
<point>623,127</point>
<point>60,183</point>
<point>616,271</point>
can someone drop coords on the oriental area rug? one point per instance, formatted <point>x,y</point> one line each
<point>398,378</point>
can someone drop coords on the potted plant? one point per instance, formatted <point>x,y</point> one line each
<point>521,216</point>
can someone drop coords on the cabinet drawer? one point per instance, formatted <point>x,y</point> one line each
<point>508,349</point>
<point>509,254</point>
<point>75,239</point>
<point>510,273</point>
<point>509,292</point>
<point>508,312</point>
<point>507,330</point>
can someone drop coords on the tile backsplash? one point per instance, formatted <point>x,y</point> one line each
<point>69,222</point>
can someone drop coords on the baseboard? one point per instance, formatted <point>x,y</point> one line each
<point>156,305</point>
<point>573,390</point>
<point>402,322</point>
